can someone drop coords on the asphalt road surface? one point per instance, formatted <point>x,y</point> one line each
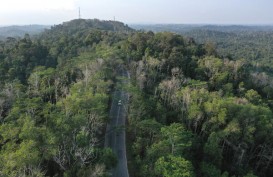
<point>115,132</point>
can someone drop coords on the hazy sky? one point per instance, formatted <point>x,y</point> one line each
<point>138,11</point>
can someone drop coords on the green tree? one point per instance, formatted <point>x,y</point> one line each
<point>177,137</point>
<point>172,166</point>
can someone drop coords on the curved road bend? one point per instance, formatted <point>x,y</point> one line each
<point>115,132</point>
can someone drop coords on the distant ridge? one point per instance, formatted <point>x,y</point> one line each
<point>20,31</point>
<point>182,28</point>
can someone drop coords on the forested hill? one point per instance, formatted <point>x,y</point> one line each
<point>191,113</point>
<point>69,27</point>
<point>77,25</point>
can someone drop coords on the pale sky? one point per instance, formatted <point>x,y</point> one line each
<point>138,11</point>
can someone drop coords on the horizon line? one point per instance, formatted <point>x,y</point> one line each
<point>151,23</point>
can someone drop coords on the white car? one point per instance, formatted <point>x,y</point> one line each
<point>119,102</point>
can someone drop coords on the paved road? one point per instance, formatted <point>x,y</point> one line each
<point>115,133</point>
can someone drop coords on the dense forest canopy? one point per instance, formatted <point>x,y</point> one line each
<point>192,112</point>
<point>55,90</point>
<point>233,41</point>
